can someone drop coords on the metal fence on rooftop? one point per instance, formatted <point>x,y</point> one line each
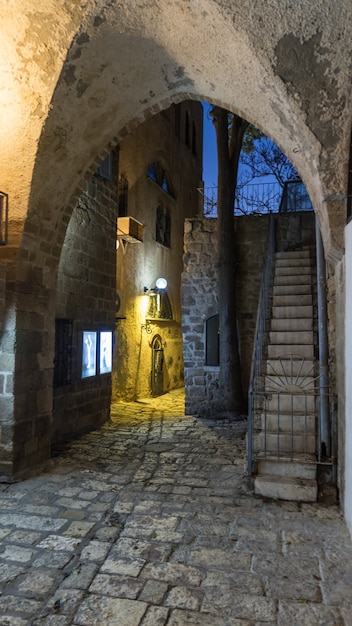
<point>260,199</point>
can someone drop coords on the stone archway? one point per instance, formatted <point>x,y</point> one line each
<point>79,80</point>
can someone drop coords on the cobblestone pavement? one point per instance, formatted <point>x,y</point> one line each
<point>145,523</point>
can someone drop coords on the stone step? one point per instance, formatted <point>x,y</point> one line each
<point>292,300</point>
<point>285,488</point>
<point>288,290</point>
<point>301,279</point>
<point>285,424</point>
<point>292,311</point>
<point>291,324</point>
<point>293,262</point>
<point>291,254</point>
<point>277,350</point>
<point>292,270</point>
<point>297,338</point>
<point>273,443</point>
<point>287,469</point>
<point>288,403</point>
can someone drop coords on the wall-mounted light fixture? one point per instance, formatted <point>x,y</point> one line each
<point>159,307</point>
<point>4,218</point>
<point>160,284</point>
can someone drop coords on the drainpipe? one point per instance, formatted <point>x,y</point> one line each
<point>324,421</point>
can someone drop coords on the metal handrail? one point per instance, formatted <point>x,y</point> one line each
<point>260,336</point>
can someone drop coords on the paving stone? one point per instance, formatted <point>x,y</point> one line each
<point>11,603</point>
<point>79,529</point>
<point>298,589</point>
<point>80,577</point>
<point>153,592</point>
<point>9,572</point>
<point>244,606</point>
<point>87,542</point>
<point>17,554</point>
<point>235,580</point>
<point>95,551</point>
<point>10,620</point>
<point>288,566</point>
<point>23,537</point>
<point>58,542</point>
<point>133,547</point>
<point>36,583</point>
<point>99,611</point>
<point>220,558</point>
<point>173,573</point>
<point>65,601</point>
<point>53,560</point>
<point>293,613</point>
<point>123,566</point>
<point>155,616</point>
<point>119,586</point>
<point>183,598</point>
<point>183,618</point>
<point>32,522</point>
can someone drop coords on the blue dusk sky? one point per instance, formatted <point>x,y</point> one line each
<point>210,160</point>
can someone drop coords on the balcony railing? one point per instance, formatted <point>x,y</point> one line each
<point>260,199</point>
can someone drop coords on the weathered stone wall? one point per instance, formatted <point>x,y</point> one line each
<point>86,295</point>
<point>200,301</point>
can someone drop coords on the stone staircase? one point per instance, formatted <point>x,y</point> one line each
<point>286,441</point>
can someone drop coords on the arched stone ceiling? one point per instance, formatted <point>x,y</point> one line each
<point>78,75</point>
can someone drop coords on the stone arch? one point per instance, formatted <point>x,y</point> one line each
<point>97,73</point>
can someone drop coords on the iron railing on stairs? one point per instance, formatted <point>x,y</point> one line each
<point>260,337</point>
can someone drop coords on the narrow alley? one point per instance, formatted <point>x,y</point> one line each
<point>146,522</point>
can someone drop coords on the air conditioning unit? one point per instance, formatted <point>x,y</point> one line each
<point>120,304</point>
<point>129,229</point>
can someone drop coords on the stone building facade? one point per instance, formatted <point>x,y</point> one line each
<point>77,78</point>
<point>161,165</point>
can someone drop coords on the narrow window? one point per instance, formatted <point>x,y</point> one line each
<point>123,196</point>
<point>163,226</point>
<point>105,169</point>
<point>212,340</point>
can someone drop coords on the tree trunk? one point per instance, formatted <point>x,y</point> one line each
<point>228,148</point>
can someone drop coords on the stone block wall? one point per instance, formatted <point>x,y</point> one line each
<point>199,293</point>
<point>86,295</point>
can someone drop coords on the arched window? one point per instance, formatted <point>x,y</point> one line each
<point>160,176</point>
<point>212,352</point>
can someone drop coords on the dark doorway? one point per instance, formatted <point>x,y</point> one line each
<point>157,366</point>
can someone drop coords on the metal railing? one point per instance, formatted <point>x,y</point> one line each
<point>253,199</point>
<point>260,336</point>
<point>260,199</point>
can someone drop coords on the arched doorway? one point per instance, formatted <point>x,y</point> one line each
<point>157,374</point>
<point>73,102</point>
